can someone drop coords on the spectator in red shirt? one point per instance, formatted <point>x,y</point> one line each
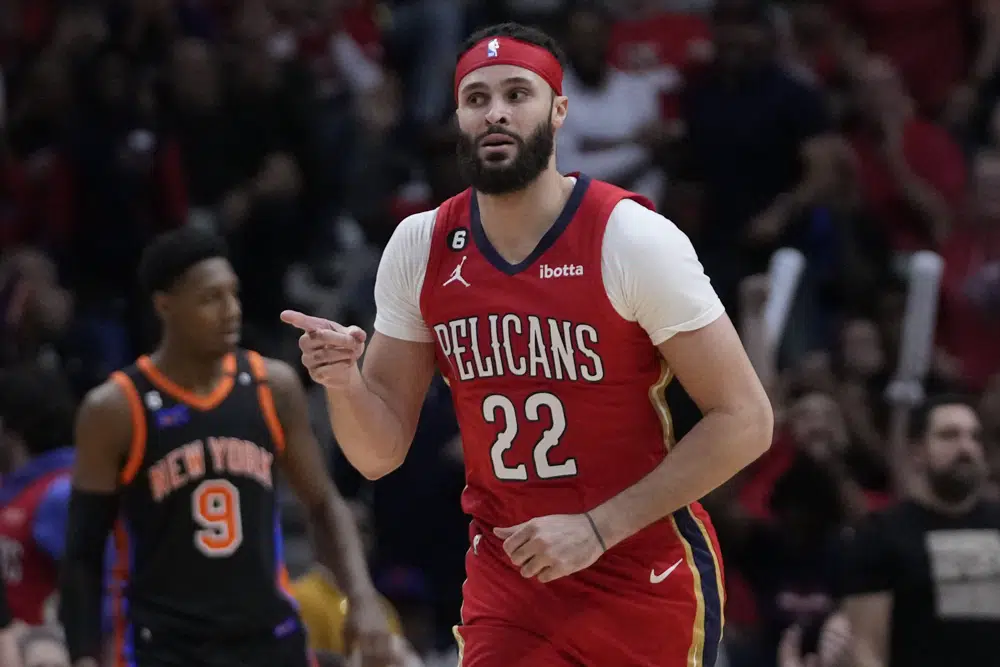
<point>911,172</point>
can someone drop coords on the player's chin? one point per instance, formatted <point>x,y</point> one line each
<point>497,156</point>
<point>229,339</point>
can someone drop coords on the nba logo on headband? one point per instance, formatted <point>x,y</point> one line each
<point>528,56</point>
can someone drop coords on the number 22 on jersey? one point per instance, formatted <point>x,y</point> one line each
<point>215,508</point>
<point>498,406</point>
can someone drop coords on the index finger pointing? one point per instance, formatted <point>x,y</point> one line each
<point>326,338</point>
<point>306,322</point>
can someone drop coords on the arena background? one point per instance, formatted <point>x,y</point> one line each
<point>853,179</point>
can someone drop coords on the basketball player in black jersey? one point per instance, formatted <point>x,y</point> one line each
<point>177,459</point>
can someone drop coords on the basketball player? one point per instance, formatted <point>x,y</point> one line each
<point>179,456</point>
<point>572,307</point>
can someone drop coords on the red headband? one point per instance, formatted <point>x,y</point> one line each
<point>510,51</point>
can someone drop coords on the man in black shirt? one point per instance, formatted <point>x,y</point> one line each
<point>922,581</point>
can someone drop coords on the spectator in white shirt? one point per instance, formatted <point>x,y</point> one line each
<point>614,130</point>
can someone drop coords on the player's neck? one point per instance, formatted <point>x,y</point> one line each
<point>194,373</point>
<point>515,223</point>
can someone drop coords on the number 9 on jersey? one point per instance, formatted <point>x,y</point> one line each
<point>215,508</point>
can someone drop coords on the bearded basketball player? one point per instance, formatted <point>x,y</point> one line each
<point>558,308</point>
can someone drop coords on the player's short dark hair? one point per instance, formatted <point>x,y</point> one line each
<point>37,405</point>
<point>920,419</point>
<point>521,33</point>
<point>171,254</point>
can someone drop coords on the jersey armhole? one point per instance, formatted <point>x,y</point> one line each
<point>266,399</point>
<point>137,446</point>
<point>439,231</point>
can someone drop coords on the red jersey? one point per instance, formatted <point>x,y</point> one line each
<point>30,574</point>
<point>559,390</point>
<point>561,402</point>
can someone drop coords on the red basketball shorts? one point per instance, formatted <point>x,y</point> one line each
<point>632,608</point>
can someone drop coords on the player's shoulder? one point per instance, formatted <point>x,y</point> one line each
<point>412,237</point>
<point>112,398</point>
<point>109,414</point>
<point>418,225</point>
<point>634,227</point>
<point>419,228</point>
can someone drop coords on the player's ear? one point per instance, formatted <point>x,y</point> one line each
<point>560,104</point>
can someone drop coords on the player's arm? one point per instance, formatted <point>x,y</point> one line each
<point>374,409</point>
<point>338,544</point>
<point>375,418</point>
<point>653,275</point>
<point>104,434</point>
<point>736,428</point>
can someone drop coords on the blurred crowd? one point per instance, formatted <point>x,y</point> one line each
<point>855,134</point>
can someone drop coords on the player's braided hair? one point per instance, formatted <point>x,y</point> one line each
<point>171,254</point>
<point>516,31</point>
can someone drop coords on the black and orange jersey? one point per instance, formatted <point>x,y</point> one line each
<point>198,547</point>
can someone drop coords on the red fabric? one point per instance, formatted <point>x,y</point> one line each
<point>361,23</point>
<point>38,578</point>
<point>676,41</point>
<point>741,604</point>
<point>618,612</point>
<point>666,39</point>
<point>755,493</point>
<point>965,330</point>
<point>514,310</point>
<point>933,156</point>
<point>507,51</point>
<point>926,39</point>
<point>544,374</point>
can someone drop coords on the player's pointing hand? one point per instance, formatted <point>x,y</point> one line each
<point>330,351</point>
<point>551,547</point>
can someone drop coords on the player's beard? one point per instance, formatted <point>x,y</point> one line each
<point>531,160</point>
